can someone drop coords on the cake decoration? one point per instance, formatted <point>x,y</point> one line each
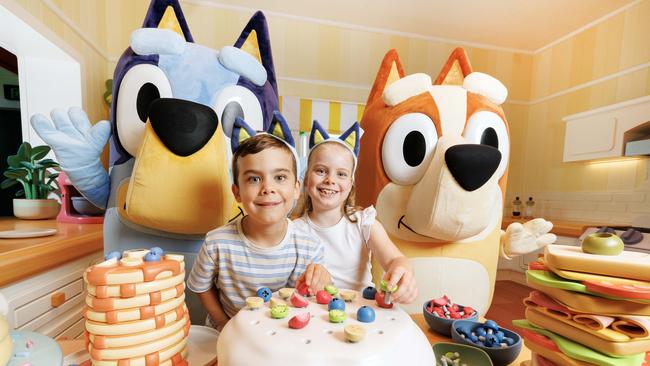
<point>315,335</point>
<point>332,290</point>
<point>286,292</point>
<point>348,295</point>
<point>275,301</point>
<point>254,302</point>
<point>354,333</point>
<point>366,314</point>
<point>279,311</point>
<point>336,304</point>
<point>337,316</point>
<point>381,302</point>
<point>298,301</point>
<point>323,297</point>
<point>265,293</point>
<point>299,321</point>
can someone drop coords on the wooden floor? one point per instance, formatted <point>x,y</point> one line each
<point>507,303</point>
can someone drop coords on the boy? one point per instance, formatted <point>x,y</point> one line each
<point>262,249</point>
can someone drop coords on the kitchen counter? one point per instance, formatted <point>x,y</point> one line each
<point>560,227</point>
<point>21,258</point>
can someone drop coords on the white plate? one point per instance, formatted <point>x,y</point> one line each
<point>26,233</point>
<point>202,343</point>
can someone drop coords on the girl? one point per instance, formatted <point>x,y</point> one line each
<point>326,210</point>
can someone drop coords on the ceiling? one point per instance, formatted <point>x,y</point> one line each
<point>525,25</point>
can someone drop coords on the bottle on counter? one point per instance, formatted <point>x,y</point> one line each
<point>529,209</point>
<point>516,207</point>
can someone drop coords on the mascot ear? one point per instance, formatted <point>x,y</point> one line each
<point>389,71</point>
<point>455,70</point>
<point>279,128</point>
<point>317,135</point>
<point>240,132</point>
<point>351,137</point>
<point>255,40</point>
<point>167,14</point>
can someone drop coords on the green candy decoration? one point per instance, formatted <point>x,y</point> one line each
<point>337,316</point>
<point>279,311</point>
<point>331,290</point>
<point>383,286</point>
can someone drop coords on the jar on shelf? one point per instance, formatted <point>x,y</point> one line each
<point>529,209</point>
<point>516,207</point>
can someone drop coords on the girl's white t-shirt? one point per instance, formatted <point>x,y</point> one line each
<point>347,254</point>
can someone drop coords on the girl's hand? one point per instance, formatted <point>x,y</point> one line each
<point>400,273</point>
<point>316,277</point>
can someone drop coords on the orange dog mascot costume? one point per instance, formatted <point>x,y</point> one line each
<point>434,162</point>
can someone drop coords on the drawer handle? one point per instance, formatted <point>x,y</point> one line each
<point>58,298</point>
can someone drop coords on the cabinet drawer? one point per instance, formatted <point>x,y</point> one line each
<point>29,299</point>
<point>74,305</point>
<point>72,331</point>
<point>59,324</point>
<point>41,305</point>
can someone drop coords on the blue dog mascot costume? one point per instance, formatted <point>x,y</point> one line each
<point>174,104</point>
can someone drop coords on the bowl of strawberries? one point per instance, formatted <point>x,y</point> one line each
<point>441,312</point>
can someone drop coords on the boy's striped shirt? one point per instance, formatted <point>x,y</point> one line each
<point>237,267</point>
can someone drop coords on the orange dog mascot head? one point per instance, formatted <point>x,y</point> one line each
<point>434,162</point>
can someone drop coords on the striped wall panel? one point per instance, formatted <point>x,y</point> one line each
<point>336,117</point>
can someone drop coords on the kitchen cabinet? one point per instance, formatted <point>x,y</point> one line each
<point>41,279</point>
<point>50,303</point>
<point>600,133</point>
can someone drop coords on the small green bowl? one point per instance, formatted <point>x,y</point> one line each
<point>468,355</point>
<point>603,244</point>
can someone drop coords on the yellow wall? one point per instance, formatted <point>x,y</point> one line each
<point>345,59</point>
<point>615,45</point>
<point>343,63</point>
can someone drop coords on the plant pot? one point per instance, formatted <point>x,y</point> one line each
<point>36,209</point>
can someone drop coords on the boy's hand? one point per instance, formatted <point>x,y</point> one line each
<point>316,277</point>
<point>400,273</point>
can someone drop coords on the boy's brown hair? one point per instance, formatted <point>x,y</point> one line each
<point>256,144</point>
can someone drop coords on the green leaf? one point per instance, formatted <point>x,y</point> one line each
<point>16,174</point>
<point>14,161</point>
<point>8,183</point>
<point>20,193</point>
<point>48,163</point>
<point>27,165</point>
<point>39,152</point>
<point>25,151</point>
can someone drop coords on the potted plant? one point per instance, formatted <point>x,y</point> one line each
<point>29,168</point>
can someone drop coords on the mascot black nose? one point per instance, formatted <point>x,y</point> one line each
<point>472,165</point>
<point>184,127</point>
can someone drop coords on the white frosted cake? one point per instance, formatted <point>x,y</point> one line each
<point>253,337</point>
<point>135,310</point>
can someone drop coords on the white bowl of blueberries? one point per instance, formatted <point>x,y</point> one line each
<point>501,344</point>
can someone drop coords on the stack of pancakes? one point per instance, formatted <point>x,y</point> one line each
<point>135,310</point>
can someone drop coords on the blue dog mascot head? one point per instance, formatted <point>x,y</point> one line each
<point>174,104</point>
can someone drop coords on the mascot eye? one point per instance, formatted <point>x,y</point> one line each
<point>408,147</point>
<point>487,128</point>
<point>236,101</point>
<point>141,85</point>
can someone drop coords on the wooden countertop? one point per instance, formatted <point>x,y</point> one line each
<point>20,258</point>
<point>560,227</point>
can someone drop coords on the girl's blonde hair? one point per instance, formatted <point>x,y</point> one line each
<point>304,203</point>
